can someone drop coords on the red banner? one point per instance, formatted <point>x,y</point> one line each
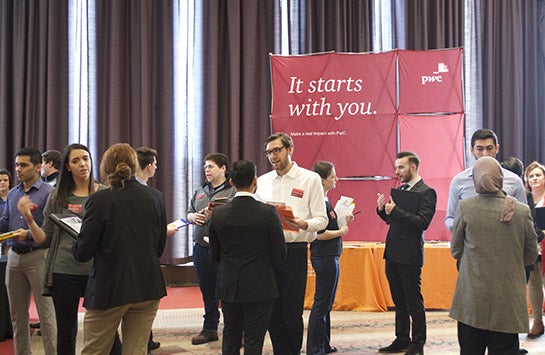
<point>430,81</point>
<point>441,154</point>
<point>336,108</point>
<point>343,108</point>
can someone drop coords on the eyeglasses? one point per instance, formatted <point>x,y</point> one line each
<point>274,151</point>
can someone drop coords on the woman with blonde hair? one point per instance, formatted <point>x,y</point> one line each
<point>534,177</point>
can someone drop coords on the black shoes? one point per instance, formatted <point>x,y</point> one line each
<point>396,347</point>
<point>414,350</point>
<point>204,337</point>
<point>153,345</point>
<point>330,350</point>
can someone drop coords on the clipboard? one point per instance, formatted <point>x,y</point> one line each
<point>68,222</point>
<point>406,199</point>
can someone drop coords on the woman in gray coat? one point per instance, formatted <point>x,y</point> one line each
<point>493,239</point>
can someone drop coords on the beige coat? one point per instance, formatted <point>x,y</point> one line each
<point>491,288</point>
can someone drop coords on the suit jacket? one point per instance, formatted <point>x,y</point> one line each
<point>405,238</point>
<point>246,238</point>
<point>124,230</point>
<point>491,287</point>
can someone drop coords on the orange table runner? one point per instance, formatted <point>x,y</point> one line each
<point>363,285</point>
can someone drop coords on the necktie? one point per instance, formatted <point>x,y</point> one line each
<point>405,186</point>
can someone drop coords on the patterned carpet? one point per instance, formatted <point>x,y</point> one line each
<point>352,333</point>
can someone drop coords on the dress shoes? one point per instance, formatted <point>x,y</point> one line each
<point>153,345</point>
<point>396,347</point>
<point>415,350</point>
<point>537,329</point>
<point>204,337</point>
<point>331,349</point>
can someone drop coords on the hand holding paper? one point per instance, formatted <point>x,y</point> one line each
<point>344,208</point>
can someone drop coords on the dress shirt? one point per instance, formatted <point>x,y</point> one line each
<point>12,219</point>
<point>410,184</point>
<point>300,189</point>
<point>462,187</point>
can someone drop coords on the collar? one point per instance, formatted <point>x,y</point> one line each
<point>292,173</point>
<point>143,182</point>
<point>51,177</point>
<point>222,186</point>
<point>37,184</point>
<point>413,182</point>
<point>244,193</point>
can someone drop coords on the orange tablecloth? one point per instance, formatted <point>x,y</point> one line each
<point>363,285</point>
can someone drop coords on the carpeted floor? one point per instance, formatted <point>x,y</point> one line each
<point>352,333</point>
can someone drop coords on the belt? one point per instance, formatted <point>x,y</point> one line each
<point>24,249</point>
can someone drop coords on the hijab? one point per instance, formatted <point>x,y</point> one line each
<point>488,179</point>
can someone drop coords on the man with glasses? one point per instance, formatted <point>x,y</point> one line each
<point>300,189</point>
<point>216,166</point>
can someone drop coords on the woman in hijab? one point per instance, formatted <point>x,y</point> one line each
<point>493,239</point>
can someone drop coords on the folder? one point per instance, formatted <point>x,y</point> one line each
<point>218,202</point>
<point>540,217</point>
<point>406,199</point>
<point>284,212</point>
<point>7,235</point>
<point>68,222</point>
<point>179,223</point>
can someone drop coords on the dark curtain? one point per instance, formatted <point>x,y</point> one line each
<point>512,92</point>
<point>238,37</point>
<point>134,83</point>
<point>433,24</point>
<point>34,76</point>
<point>342,26</point>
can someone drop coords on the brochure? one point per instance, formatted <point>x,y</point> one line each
<point>343,208</point>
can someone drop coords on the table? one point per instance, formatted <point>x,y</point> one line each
<point>363,285</point>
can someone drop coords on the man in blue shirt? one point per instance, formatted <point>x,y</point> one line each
<point>26,258</point>
<point>484,142</point>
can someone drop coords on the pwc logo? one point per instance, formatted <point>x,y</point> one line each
<point>436,77</point>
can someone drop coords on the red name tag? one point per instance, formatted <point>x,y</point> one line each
<point>77,209</point>
<point>297,193</point>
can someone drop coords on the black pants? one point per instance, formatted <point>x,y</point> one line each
<point>286,326</point>
<point>250,319</point>
<point>475,341</point>
<point>66,293</point>
<point>405,286</point>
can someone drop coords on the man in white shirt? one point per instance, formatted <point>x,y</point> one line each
<point>484,142</point>
<point>300,189</point>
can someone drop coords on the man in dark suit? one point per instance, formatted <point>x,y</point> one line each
<point>404,255</point>
<point>246,238</point>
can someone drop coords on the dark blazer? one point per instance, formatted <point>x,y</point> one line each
<point>405,239</point>
<point>125,232</point>
<point>246,238</point>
